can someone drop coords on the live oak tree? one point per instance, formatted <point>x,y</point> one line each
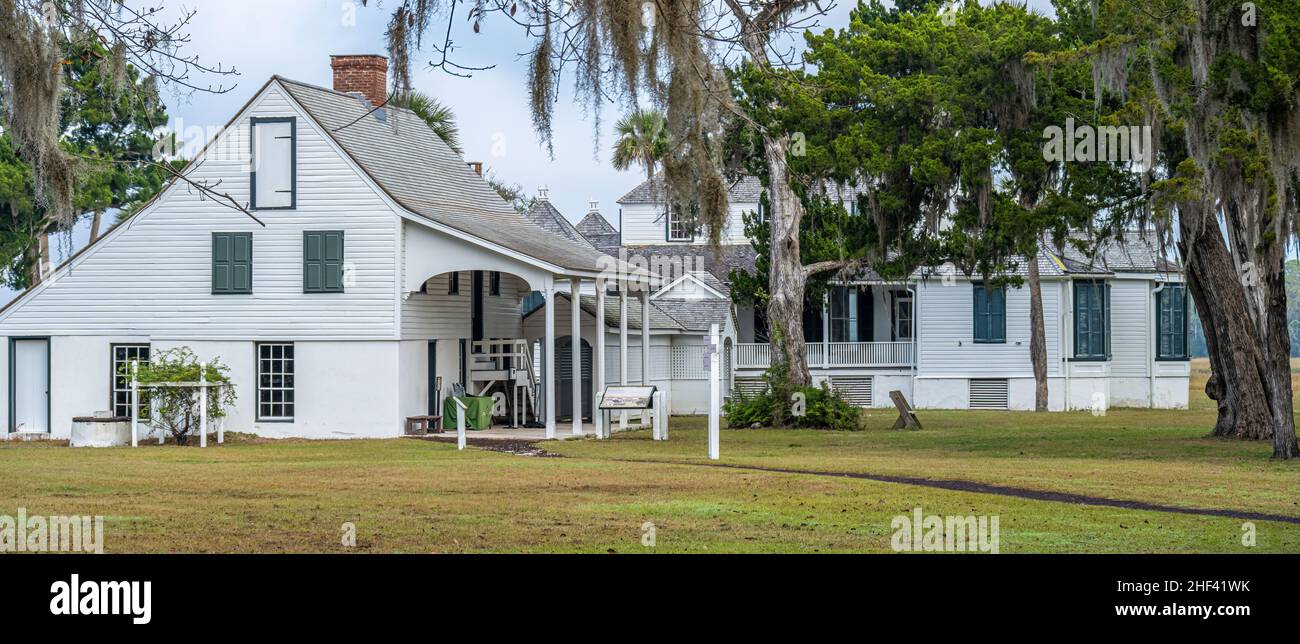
<point>1219,82</point>
<point>673,54</point>
<point>40,38</point>
<point>110,134</point>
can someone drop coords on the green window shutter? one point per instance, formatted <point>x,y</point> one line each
<point>232,263</point>
<point>1171,328</point>
<point>997,305</point>
<point>322,261</point>
<point>1091,319</point>
<point>990,314</point>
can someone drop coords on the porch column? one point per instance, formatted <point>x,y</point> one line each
<point>645,344</point>
<point>622,345</point>
<point>548,350</point>
<point>826,327</point>
<point>598,366</point>
<point>575,354</point>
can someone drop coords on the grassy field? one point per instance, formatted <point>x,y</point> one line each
<point>408,495</point>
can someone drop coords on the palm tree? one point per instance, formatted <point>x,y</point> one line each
<point>435,114</point>
<point>642,140</point>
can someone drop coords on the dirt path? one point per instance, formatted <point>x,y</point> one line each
<point>532,448</point>
<point>997,490</point>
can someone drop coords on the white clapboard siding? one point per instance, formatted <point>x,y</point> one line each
<point>436,314</point>
<point>152,275</point>
<point>502,318</point>
<point>643,224</point>
<point>1129,329</point>
<point>947,345</point>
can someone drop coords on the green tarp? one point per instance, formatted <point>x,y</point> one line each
<point>478,412</point>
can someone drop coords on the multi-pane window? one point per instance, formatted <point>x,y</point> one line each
<point>494,283</point>
<point>990,313</point>
<point>902,316</point>
<point>273,179</point>
<point>1171,327</point>
<point>232,263</point>
<point>1091,319</point>
<point>123,356</point>
<point>680,224</point>
<point>275,381</point>
<point>322,261</point>
<point>844,314</point>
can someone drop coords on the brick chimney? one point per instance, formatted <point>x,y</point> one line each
<point>476,166</point>
<point>366,74</point>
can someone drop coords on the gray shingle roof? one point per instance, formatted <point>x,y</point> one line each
<point>410,163</point>
<point>1133,252</point>
<point>743,190</point>
<point>600,233</point>
<point>593,223</point>
<point>732,257</point>
<point>696,315</point>
<point>548,217</point>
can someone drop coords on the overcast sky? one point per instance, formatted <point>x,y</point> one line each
<point>295,38</point>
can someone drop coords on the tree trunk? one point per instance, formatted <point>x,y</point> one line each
<point>94,225</point>
<point>1277,365</point>
<point>41,250</point>
<point>1237,366</point>
<point>786,276</point>
<point>1037,334</point>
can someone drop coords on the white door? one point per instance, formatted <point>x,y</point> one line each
<point>31,386</point>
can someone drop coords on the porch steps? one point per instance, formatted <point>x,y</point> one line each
<point>488,369</point>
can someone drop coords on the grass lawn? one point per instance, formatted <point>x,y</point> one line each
<point>417,496</point>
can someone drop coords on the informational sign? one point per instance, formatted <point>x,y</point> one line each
<point>628,397</point>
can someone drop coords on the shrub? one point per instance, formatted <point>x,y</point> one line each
<point>175,408</point>
<point>822,409</point>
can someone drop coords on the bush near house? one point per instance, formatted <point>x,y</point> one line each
<point>799,407</point>
<point>175,406</point>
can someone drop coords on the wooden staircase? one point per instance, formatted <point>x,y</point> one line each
<point>507,364</point>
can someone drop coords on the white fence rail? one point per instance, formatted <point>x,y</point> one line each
<point>832,354</point>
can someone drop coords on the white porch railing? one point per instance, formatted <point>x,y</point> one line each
<point>832,354</point>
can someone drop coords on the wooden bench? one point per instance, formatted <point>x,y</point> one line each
<point>422,425</point>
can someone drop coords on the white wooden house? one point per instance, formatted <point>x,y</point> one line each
<point>381,266</point>
<point>1116,323</point>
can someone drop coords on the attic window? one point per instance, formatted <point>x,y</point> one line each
<point>680,227</point>
<point>273,182</point>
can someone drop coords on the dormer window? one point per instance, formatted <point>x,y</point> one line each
<point>273,182</point>
<point>680,224</point>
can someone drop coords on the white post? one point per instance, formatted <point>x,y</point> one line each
<point>622,347</point>
<point>153,404</point>
<point>549,353</point>
<point>598,368</point>
<point>715,410</point>
<point>645,343</point>
<point>460,424</point>
<point>661,413</point>
<point>203,404</point>
<point>221,430</point>
<point>135,403</point>
<point>575,353</point>
<point>826,328</point>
